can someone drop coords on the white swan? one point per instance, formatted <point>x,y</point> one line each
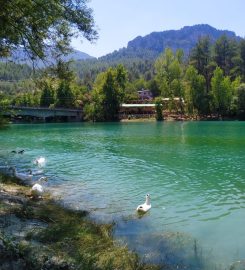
<point>40,161</point>
<point>146,206</point>
<point>35,172</point>
<point>37,189</point>
<point>22,176</point>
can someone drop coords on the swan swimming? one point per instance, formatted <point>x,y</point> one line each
<point>35,172</point>
<point>22,176</point>
<point>146,206</point>
<point>37,189</point>
<point>40,161</point>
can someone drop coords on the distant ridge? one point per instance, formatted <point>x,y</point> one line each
<point>155,43</point>
<point>19,56</point>
<point>184,38</point>
<point>140,48</point>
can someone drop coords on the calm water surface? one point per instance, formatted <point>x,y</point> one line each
<point>194,172</point>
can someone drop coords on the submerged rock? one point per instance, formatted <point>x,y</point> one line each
<point>239,265</point>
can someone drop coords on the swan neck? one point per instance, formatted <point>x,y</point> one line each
<point>147,201</point>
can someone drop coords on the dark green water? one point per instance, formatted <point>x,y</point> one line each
<point>194,172</point>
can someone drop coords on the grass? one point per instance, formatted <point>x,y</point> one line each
<point>74,237</point>
<point>70,240</point>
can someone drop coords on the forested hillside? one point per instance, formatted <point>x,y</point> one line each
<point>138,57</point>
<point>209,81</point>
<point>141,52</point>
<point>10,71</point>
<point>15,78</point>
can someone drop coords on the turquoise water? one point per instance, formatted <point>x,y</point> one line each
<point>194,172</point>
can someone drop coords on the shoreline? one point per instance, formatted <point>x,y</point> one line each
<point>168,118</point>
<point>42,233</point>
<point>58,171</point>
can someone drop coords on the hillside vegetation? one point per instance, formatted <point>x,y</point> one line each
<point>209,80</point>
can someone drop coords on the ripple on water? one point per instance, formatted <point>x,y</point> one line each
<point>194,172</point>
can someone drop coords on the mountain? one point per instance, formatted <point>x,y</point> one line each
<point>77,56</point>
<point>140,53</point>
<point>19,56</point>
<point>144,48</point>
<point>155,43</point>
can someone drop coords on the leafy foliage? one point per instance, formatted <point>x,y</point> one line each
<point>108,95</point>
<point>195,95</point>
<point>169,72</point>
<point>224,52</point>
<point>221,91</point>
<point>241,101</point>
<point>47,97</point>
<point>242,59</point>
<point>39,25</point>
<point>14,72</point>
<point>65,95</point>
<point>201,59</point>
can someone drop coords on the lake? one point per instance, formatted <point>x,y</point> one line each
<point>193,171</point>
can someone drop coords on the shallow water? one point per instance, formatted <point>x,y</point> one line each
<point>194,172</point>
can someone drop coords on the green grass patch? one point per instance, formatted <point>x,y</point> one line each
<point>70,240</point>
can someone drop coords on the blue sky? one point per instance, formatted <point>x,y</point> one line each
<point>120,21</point>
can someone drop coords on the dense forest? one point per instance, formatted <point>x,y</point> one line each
<point>209,81</point>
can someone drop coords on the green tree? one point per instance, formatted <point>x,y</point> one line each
<point>93,109</point>
<point>196,95</point>
<point>65,96</point>
<point>47,96</point>
<point>130,94</point>
<point>107,95</point>
<point>201,55</point>
<point>113,91</point>
<point>111,102</point>
<point>169,74</point>
<point>234,95</point>
<point>221,92</point>
<point>200,58</point>
<point>152,85</point>
<point>225,50</point>
<point>121,77</point>
<point>242,57</point>
<point>241,101</point>
<point>62,71</point>
<point>43,26</point>
<point>139,84</point>
<point>4,103</point>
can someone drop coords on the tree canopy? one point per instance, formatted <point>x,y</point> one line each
<point>42,26</point>
<point>107,95</point>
